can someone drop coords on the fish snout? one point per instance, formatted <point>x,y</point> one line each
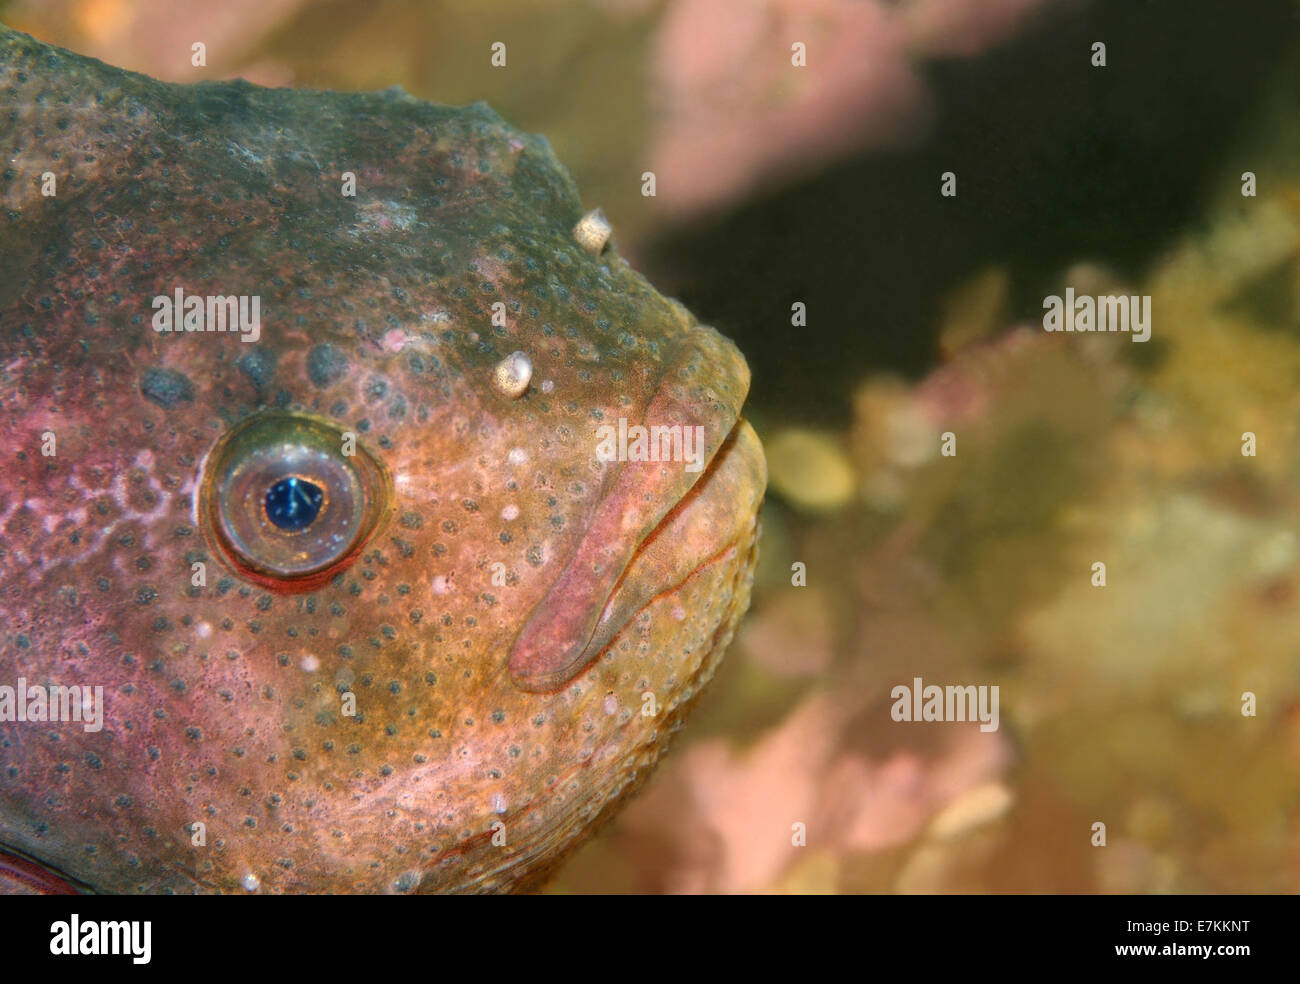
<point>686,496</point>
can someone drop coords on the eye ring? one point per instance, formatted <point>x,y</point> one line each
<point>285,505</point>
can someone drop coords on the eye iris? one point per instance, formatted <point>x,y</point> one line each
<point>285,504</point>
<point>293,503</point>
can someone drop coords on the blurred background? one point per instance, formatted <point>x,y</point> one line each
<point>778,185</point>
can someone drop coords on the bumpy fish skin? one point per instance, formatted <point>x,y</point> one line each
<point>508,705</point>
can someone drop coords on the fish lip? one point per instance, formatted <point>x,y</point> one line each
<point>692,532</point>
<point>702,386</point>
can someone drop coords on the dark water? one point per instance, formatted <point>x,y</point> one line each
<point>1056,161</point>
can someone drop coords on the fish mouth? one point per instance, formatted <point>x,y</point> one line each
<point>658,524</point>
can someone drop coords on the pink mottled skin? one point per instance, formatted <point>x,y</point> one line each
<point>510,624</point>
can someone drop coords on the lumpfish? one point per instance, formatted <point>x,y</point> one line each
<point>363,526</point>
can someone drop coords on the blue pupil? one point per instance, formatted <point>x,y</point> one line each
<point>293,503</point>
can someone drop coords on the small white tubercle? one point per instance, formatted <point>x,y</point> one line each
<point>592,232</point>
<point>512,375</point>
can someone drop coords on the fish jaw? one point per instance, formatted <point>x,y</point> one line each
<point>661,638</point>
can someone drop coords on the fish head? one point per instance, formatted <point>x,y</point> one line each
<point>402,578</point>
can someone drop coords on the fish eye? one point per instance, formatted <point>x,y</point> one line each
<point>289,497</point>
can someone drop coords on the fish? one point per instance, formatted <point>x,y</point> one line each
<point>316,573</point>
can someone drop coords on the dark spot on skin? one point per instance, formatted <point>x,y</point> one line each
<point>259,366</point>
<point>326,365</point>
<point>166,387</point>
